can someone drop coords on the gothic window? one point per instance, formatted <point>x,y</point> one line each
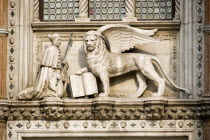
<point>59,10</point>
<point>154,9</point>
<point>106,10</point>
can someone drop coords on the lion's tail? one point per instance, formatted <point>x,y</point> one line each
<point>167,78</point>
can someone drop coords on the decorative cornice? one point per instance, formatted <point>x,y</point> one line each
<point>106,109</point>
<point>93,25</point>
<point>4,31</point>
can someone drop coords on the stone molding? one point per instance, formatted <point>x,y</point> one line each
<point>4,31</point>
<point>105,109</point>
<point>200,12</point>
<point>17,130</point>
<point>93,25</point>
<point>11,49</point>
<point>206,29</point>
<point>207,48</point>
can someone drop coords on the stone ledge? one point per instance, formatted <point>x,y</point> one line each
<point>112,100</point>
<point>93,25</point>
<point>107,109</point>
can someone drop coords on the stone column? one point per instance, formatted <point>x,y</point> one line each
<point>207,48</point>
<point>3,130</point>
<point>24,51</point>
<point>3,58</point>
<point>36,10</point>
<point>130,7</point>
<point>206,130</point>
<point>83,11</point>
<point>3,46</point>
<point>177,10</point>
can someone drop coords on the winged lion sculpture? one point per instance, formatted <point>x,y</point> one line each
<point>105,59</point>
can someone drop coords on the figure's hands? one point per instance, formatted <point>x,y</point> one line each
<point>83,70</point>
<point>65,64</point>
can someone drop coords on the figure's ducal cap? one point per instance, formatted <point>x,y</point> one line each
<point>52,37</point>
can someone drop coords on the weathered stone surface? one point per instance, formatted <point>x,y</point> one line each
<point>3,132</point>
<point>3,47</point>
<point>207,49</point>
<point>206,130</point>
<point>3,66</point>
<point>4,13</point>
<point>111,129</point>
<point>106,109</point>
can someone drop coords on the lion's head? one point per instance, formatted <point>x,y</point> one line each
<point>93,41</point>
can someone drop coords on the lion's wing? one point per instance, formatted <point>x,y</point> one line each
<point>124,37</point>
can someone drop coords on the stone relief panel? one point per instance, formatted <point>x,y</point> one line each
<point>122,86</point>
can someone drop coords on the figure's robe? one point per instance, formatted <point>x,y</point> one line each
<point>49,80</point>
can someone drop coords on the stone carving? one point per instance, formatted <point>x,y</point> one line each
<point>4,113</point>
<point>52,113</point>
<point>64,128</point>
<point>83,84</point>
<point>12,4</point>
<point>12,46</point>
<point>24,113</point>
<point>83,8</point>
<point>177,9</point>
<point>119,38</point>
<point>130,8</point>
<point>36,10</point>
<point>199,43</point>
<point>102,111</point>
<point>51,80</point>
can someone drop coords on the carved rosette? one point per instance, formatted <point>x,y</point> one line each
<point>83,8</point>
<point>130,8</point>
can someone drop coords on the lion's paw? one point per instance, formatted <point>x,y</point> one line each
<point>103,95</point>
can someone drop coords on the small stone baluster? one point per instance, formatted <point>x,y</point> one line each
<point>130,6</point>
<point>36,10</point>
<point>177,10</point>
<point>83,11</point>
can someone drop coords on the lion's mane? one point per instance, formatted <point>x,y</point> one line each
<point>98,58</point>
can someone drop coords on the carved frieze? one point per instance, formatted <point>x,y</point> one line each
<point>116,111</point>
<point>11,50</point>
<point>200,47</point>
<point>188,128</point>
